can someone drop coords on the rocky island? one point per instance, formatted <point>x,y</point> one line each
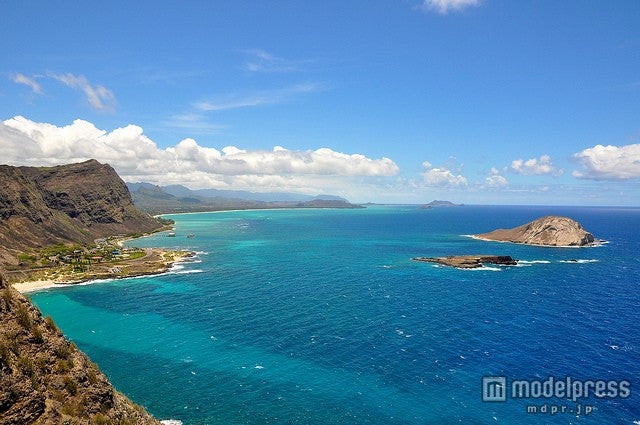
<point>546,231</point>
<point>469,261</point>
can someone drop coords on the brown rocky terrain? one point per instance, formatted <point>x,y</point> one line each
<point>45,379</point>
<point>548,231</point>
<point>469,261</point>
<point>78,203</point>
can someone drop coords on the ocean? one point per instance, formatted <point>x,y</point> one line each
<point>321,317</point>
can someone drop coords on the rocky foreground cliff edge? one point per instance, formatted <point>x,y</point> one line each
<point>45,379</point>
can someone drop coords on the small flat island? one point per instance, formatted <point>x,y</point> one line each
<point>546,231</point>
<point>469,261</point>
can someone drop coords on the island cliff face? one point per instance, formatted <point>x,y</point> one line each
<point>45,379</point>
<point>547,231</point>
<point>77,203</point>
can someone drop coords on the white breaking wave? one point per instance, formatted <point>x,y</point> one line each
<point>581,261</point>
<point>485,268</point>
<point>529,263</point>
<point>189,271</point>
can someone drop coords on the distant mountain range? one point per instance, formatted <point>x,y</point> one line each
<point>177,199</point>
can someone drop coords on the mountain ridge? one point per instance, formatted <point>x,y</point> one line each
<point>74,203</point>
<point>156,199</point>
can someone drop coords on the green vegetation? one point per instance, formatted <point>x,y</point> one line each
<point>165,221</point>
<point>70,385</point>
<point>26,258</point>
<point>68,260</point>
<point>62,351</point>
<point>75,409</point>
<point>136,254</point>
<point>7,296</point>
<point>11,342</point>
<point>64,366</point>
<point>78,256</point>
<point>23,316</point>
<point>100,419</point>
<point>51,324</point>
<point>37,334</point>
<point>5,356</point>
<point>25,364</point>
<point>92,376</point>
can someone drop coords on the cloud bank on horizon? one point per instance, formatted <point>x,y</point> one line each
<point>138,158</point>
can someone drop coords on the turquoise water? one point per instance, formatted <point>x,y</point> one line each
<point>320,316</point>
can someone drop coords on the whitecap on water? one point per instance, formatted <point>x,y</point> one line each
<point>484,268</point>
<point>579,261</point>
<point>525,262</point>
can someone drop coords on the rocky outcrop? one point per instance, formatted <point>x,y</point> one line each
<point>76,203</point>
<point>45,379</point>
<point>548,231</point>
<point>470,261</point>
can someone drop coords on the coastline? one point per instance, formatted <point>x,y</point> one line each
<point>163,262</point>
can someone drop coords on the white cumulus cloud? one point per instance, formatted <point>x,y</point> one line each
<point>539,166</point>
<point>609,162</point>
<point>445,6</point>
<point>441,177</point>
<point>99,97</point>
<point>494,180</point>
<point>27,81</point>
<point>137,158</point>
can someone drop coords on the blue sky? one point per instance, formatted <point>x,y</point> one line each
<point>476,101</point>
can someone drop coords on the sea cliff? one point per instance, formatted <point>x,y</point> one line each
<point>41,206</point>
<point>44,378</point>
<point>50,219</point>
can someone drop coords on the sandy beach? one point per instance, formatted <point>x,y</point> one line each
<point>37,285</point>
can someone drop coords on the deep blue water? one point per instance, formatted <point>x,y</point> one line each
<point>320,316</point>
